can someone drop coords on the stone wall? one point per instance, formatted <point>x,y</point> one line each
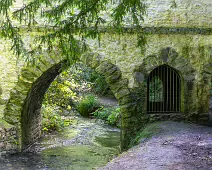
<point>8,138</point>
<point>10,68</point>
<point>170,13</point>
<point>9,73</point>
<point>190,53</point>
<point>179,13</point>
<point>123,49</point>
<point>178,35</point>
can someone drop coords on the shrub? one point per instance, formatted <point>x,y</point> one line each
<point>113,118</point>
<point>110,115</point>
<point>99,85</point>
<point>88,105</point>
<point>52,121</point>
<point>61,93</point>
<point>102,113</point>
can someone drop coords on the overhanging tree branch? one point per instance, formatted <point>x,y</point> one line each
<point>68,18</point>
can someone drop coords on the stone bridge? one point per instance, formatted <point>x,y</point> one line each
<point>179,45</point>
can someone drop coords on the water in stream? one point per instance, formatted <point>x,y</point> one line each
<point>85,145</point>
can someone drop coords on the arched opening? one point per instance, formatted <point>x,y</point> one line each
<point>164,90</point>
<point>31,114</point>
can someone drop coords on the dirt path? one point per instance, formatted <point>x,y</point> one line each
<point>107,101</point>
<point>178,146</point>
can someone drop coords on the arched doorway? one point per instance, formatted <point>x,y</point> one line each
<point>164,90</point>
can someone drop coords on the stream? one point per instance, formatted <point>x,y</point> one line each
<point>86,144</point>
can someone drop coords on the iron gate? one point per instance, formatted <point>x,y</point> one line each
<point>163,90</point>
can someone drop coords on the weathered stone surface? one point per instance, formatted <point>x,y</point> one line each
<point>8,138</point>
<point>139,77</point>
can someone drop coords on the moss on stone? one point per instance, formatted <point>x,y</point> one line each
<point>4,124</point>
<point>147,132</point>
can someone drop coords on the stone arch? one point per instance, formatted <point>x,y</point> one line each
<point>195,83</point>
<point>31,113</point>
<point>20,108</point>
<point>23,107</point>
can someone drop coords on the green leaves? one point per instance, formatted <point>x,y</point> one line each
<point>88,105</point>
<point>5,5</point>
<point>67,23</point>
<point>110,115</point>
<point>51,120</point>
<point>9,31</point>
<point>133,9</point>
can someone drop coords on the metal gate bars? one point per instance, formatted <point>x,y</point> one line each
<point>163,90</point>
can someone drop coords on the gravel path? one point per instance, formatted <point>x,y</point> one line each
<point>178,146</point>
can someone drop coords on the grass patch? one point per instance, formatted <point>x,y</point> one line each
<point>147,132</point>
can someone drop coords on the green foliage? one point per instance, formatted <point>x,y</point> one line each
<point>110,115</point>
<point>66,93</point>
<point>102,113</point>
<point>65,90</point>
<point>68,89</point>
<point>99,85</point>
<point>52,121</point>
<point>113,118</point>
<point>96,81</point>
<point>62,92</point>
<point>88,105</point>
<point>62,19</point>
<point>156,90</point>
<point>173,4</point>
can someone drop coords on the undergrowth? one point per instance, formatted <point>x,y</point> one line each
<point>111,116</point>
<point>67,95</point>
<point>52,120</point>
<point>87,105</point>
